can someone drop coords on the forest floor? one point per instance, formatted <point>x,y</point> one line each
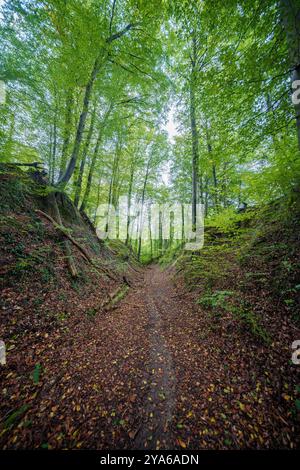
<point>195,355</point>
<point>152,373</point>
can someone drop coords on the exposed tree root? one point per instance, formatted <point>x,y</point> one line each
<point>70,260</point>
<point>84,253</point>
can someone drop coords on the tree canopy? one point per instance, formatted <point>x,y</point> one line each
<point>91,86</point>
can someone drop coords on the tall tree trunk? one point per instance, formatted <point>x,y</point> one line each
<point>81,123</point>
<point>129,200</point>
<point>194,132</point>
<point>67,132</point>
<point>182,225</point>
<point>214,171</point>
<point>93,162</point>
<point>91,173</point>
<point>66,176</point>
<point>98,199</point>
<point>78,183</point>
<point>112,184</point>
<point>110,191</point>
<point>142,207</point>
<point>66,243</point>
<point>54,147</point>
<point>150,233</point>
<point>290,15</point>
<point>50,162</point>
<point>206,198</point>
<point>160,235</point>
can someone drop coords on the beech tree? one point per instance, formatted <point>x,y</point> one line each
<point>91,86</point>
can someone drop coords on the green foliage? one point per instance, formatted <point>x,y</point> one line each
<point>248,317</point>
<point>215,299</point>
<point>218,302</point>
<point>236,64</point>
<point>36,373</point>
<point>229,219</point>
<point>13,192</point>
<point>121,294</point>
<point>15,416</point>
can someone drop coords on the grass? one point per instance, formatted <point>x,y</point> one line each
<point>218,302</point>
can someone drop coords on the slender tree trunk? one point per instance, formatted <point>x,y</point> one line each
<point>206,199</point>
<point>290,15</point>
<point>8,147</point>
<point>98,199</point>
<point>182,225</point>
<point>81,123</point>
<point>112,189</point>
<point>50,162</point>
<point>91,173</point>
<point>137,231</point>
<point>66,176</point>
<point>142,207</point>
<point>54,147</point>
<point>129,200</point>
<point>215,180</point>
<point>78,184</point>
<point>67,132</point>
<point>66,243</point>
<point>195,137</point>
<point>110,192</point>
<point>214,171</point>
<point>160,239</point>
<point>224,185</point>
<point>150,233</point>
<point>93,162</point>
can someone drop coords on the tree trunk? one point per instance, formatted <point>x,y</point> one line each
<point>290,15</point>
<point>93,162</point>
<point>150,233</point>
<point>195,137</point>
<point>67,132</point>
<point>129,200</point>
<point>64,179</point>
<point>98,199</point>
<point>160,239</point>
<point>142,207</point>
<point>54,147</point>
<point>81,123</point>
<point>78,184</point>
<point>91,173</point>
<point>182,225</point>
<point>66,243</point>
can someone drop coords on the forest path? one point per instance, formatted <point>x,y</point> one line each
<point>158,294</point>
<point>156,371</point>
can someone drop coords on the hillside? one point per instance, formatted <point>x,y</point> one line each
<point>212,364</point>
<point>126,127</point>
<point>44,307</point>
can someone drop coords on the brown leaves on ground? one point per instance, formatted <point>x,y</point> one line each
<point>155,372</point>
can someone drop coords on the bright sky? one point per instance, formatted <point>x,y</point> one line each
<point>171,125</point>
<point>171,128</point>
<point>1,3</point>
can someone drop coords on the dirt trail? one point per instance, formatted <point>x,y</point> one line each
<point>159,403</point>
<point>155,372</point>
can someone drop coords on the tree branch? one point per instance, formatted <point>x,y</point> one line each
<point>112,17</point>
<point>121,33</point>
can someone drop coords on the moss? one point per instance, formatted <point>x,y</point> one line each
<point>14,193</point>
